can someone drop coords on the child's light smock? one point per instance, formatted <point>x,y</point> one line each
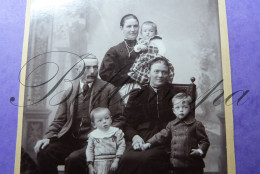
<point>104,147</point>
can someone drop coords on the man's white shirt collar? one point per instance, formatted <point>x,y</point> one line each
<point>81,84</point>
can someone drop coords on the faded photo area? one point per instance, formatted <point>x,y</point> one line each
<point>61,32</point>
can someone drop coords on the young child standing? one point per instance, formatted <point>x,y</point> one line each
<point>189,141</point>
<point>150,45</point>
<point>106,144</point>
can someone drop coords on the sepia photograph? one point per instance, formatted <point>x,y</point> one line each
<point>125,87</point>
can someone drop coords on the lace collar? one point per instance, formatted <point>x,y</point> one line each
<point>104,134</point>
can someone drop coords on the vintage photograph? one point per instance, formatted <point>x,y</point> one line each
<point>123,86</point>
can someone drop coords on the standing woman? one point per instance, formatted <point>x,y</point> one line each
<point>119,59</point>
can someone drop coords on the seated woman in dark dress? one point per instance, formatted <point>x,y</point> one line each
<point>148,111</point>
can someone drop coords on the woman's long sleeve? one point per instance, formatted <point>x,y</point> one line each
<point>133,113</point>
<point>112,70</point>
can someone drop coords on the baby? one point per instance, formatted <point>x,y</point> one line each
<point>189,142</point>
<point>149,37</point>
<point>150,45</point>
<point>106,144</point>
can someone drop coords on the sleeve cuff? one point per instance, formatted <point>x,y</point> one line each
<point>89,163</point>
<point>118,156</point>
<point>201,152</point>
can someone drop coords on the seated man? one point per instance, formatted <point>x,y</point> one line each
<point>148,111</point>
<point>66,139</point>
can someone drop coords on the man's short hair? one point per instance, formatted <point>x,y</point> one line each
<point>81,62</point>
<point>88,56</point>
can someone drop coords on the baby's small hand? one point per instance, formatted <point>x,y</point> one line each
<point>143,47</point>
<point>146,146</point>
<point>142,41</point>
<point>137,48</point>
<point>196,152</point>
<point>114,165</point>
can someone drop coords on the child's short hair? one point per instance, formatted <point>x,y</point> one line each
<point>151,24</point>
<point>182,96</point>
<point>96,110</point>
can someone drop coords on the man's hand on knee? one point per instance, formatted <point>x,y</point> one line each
<point>41,144</point>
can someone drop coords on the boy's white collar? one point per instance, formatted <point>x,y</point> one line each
<point>104,134</point>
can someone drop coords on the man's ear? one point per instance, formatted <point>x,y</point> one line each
<point>78,68</point>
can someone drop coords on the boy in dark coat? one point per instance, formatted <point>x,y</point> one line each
<point>189,141</point>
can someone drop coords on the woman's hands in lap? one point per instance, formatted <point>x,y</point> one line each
<point>137,142</point>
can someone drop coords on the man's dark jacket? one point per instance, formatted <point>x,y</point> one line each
<point>103,94</point>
